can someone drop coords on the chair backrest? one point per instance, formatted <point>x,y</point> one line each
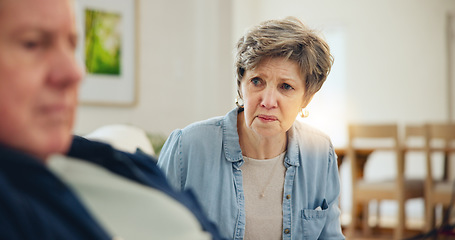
<point>373,137</point>
<point>373,131</point>
<point>443,131</point>
<point>414,132</point>
<point>439,137</point>
<point>413,147</point>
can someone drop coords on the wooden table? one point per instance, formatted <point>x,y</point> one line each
<point>362,156</point>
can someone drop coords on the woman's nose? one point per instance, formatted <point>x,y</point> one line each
<point>269,98</point>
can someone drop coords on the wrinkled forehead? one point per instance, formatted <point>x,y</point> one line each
<point>39,13</point>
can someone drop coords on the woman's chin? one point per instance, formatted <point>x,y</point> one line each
<point>268,130</point>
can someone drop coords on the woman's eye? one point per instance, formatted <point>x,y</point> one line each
<point>286,86</point>
<point>256,81</point>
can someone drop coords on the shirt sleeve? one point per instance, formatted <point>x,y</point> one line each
<point>332,229</point>
<point>170,160</point>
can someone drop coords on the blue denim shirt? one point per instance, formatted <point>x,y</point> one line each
<point>206,157</point>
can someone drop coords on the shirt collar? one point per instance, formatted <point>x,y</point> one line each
<point>233,152</point>
<point>293,150</point>
<point>15,159</point>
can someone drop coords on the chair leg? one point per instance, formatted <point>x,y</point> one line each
<point>354,219</point>
<point>378,214</point>
<point>399,230</point>
<point>365,220</point>
<point>445,216</point>
<point>430,217</point>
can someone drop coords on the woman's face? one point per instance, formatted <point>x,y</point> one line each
<point>273,96</point>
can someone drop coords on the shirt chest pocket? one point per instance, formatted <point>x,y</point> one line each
<point>313,221</point>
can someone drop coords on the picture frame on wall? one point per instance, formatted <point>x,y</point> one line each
<point>107,51</point>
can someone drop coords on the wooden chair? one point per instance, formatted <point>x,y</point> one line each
<point>438,192</point>
<point>414,132</point>
<point>399,188</point>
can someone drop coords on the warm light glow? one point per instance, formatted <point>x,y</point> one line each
<point>327,110</point>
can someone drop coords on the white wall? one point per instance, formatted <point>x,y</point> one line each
<point>185,67</point>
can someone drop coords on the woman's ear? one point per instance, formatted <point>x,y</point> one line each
<point>239,99</point>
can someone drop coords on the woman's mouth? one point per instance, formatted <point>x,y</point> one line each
<point>267,118</point>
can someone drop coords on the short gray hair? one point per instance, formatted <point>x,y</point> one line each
<point>291,39</point>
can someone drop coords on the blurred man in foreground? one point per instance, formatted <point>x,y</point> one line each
<point>54,185</point>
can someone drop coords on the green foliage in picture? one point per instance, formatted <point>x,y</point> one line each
<point>102,42</point>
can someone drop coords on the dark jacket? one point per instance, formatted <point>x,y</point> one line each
<point>35,204</point>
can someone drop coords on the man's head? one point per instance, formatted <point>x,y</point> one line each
<point>39,76</point>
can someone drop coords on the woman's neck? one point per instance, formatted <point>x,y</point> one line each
<point>256,146</point>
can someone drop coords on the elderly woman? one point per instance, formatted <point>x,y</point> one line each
<point>259,173</point>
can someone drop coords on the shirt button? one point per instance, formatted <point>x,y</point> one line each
<point>287,231</point>
<point>288,196</point>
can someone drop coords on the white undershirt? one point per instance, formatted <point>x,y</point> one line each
<point>264,215</point>
<point>128,210</point>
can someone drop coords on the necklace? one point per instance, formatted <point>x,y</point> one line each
<point>270,175</point>
<point>269,180</point>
